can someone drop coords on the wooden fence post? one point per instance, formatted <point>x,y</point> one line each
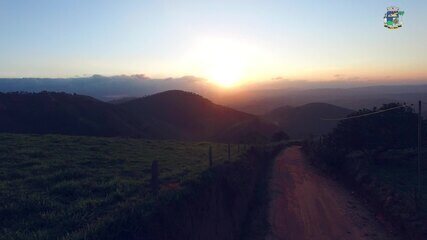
<point>420,123</point>
<point>264,150</point>
<point>154,178</point>
<point>210,156</point>
<point>229,154</point>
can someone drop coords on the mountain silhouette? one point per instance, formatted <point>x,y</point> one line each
<point>185,115</point>
<point>61,113</point>
<point>167,115</point>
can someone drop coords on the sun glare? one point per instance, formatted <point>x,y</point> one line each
<point>223,62</point>
<point>225,76</point>
<point>225,70</point>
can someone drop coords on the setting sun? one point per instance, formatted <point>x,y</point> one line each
<point>226,71</point>
<point>225,76</point>
<point>223,62</point>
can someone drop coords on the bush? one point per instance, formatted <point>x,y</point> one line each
<point>279,136</point>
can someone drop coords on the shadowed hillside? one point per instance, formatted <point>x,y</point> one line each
<point>49,112</point>
<point>186,115</point>
<point>168,115</point>
<point>308,119</point>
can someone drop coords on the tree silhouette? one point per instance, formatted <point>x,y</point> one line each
<point>396,128</point>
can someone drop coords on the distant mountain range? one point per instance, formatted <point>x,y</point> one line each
<point>263,101</point>
<point>172,114</point>
<point>306,120</point>
<point>256,98</point>
<point>167,115</point>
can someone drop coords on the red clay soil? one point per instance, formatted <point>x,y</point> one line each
<point>306,205</point>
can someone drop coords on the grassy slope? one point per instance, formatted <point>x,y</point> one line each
<point>52,186</point>
<point>399,170</point>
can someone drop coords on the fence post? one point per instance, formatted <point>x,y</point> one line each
<point>154,178</point>
<point>420,122</point>
<point>229,154</point>
<point>264,149</point>
<point>210,156</point>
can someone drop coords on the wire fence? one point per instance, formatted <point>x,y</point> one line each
<point>404,170</point>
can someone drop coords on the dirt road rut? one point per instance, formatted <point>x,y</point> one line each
<point>307,205</point>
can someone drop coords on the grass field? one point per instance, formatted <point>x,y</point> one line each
<point>58,187</point>
<point>399,169</point>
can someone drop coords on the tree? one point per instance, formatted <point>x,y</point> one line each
<point>396,128</point>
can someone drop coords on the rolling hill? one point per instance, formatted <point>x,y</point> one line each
<point>185,115</point>
<point>167,115</point>
<point>306,120</point>
<point>61,113</point>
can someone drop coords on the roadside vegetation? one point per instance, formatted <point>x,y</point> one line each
<point>377,156</point>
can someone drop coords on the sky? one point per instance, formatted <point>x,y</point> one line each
<point>229,42</point>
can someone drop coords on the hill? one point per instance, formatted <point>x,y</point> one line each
<point>50,112</point>
<point>306,120</point>
<point>167,115</point>
<point>185,115</point>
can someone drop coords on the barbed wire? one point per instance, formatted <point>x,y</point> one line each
<point>363,115</point>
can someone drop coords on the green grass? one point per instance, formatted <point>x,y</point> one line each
<point>396,171</point>
<point>400,171</point>
<point>53,187</point>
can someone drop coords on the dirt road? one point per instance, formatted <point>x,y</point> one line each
<point>307,205</point>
